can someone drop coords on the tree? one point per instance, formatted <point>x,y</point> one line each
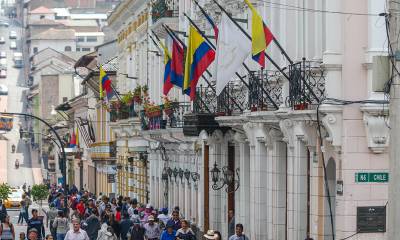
<point>39,192</point>
<point>5,191</point>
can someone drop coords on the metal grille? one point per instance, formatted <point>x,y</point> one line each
<point>307,85</point>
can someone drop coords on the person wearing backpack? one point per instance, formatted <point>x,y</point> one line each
<point>61,225</point>
<point>7,229</point>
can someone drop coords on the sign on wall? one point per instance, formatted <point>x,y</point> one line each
<point>371,219</point>
<point>6,123</point>
<point>377,177</point>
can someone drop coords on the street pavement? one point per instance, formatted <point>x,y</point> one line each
<point>16,103</point>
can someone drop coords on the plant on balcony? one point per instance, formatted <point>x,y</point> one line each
<point>127,99</point>
<point>168,106</point>
<point>152,110</point>
<point>137,94</point>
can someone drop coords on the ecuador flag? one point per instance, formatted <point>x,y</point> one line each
<point>261,36</point>
<point>199,56</point>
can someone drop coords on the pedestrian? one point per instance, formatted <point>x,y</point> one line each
<point>37,223</point>
<point>136,231</point>
<point>212,235</point>
<point>118,214</point>
<point>3,211</point>
<point>49,237</point>
<point>113,205</point>
<point>175,221</point>
<point>169,233</point>
<point>185,232</point>
<point>7,229</point>
<point>152,230</point>
<point>106,233</point>
<point>76,233</point>
<point>33,234</point>
<point>92,225</point>
<point>80,207</point>
<point>125,225</point>
<point>51,216</point>
<point>60,225</point>
<point>135,215</point>
<point>231,225</point>
<point>238,233</point>
<point>163,216</point>
<point>22,236</point>
<point>22,210</point>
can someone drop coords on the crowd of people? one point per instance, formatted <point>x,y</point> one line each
<point>82,216</point>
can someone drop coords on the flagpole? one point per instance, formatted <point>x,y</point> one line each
<point>244,64</point>
<point>266,55</point>
<point>205,79</point>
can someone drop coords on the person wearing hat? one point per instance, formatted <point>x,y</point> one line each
<point>212,235</point>
<point>33,234</point>
<point>163,216</point>
<point>169,233</point>
<point>136,231</point>
<point>152,230</point>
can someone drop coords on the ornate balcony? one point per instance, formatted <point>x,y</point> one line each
<point>164,12</point>
<point>307,85</point>
<point>122,112</point>
<point>171,117</point>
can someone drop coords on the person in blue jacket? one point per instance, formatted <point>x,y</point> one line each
<point>169,233</point>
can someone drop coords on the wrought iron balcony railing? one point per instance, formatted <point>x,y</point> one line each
<point>263,92</point>
<point>306,86</point>
<point>122,112</point>
<point>166,117</point>
<point>163,9</point>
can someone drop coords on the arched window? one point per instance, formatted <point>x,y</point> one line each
<point>35,50</point>
<point>67,49</point>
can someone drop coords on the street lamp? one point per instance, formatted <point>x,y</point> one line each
<point>227,179</point>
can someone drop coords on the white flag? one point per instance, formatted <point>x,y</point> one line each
<point>233,47</point>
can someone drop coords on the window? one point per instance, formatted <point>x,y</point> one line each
<point>81,39</point>
<point>35,50</point>
<point>68,49</point>
<point>91,39</point>
<point>78,49</point>
<point>42,17</point>
<point>85,49</point>
<point>65,99</point>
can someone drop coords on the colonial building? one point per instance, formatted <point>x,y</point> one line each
<point>289,148</point>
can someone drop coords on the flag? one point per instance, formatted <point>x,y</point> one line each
<point>72,141</point>
<point>198,57</point>
<point>105,85</point>
<point>232,49</point>
<point>178,55</point>
<point>260,34</point>
<point>213,25</point>
<point>77,138</point>
<point>167,70</point>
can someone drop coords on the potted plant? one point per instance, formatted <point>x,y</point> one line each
<point>168,106</point>
<point>137,94</point>
<point>127,98</point>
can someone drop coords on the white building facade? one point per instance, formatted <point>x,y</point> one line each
<point>319,123</point>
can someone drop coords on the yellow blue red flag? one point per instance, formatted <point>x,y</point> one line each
<point>260,34</point>
<point>198,57</point>
<point>105,85</point>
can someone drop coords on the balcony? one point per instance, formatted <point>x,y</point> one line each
<point>307,85</point>
<point>165,117</point>
<point>103,151</point>
<point>164,12</point>
<point>122,112</point>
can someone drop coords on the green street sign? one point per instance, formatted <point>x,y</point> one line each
<point>378,177</point>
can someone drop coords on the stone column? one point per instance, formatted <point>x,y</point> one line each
<point>279,191</point>
<point>187,201</point>
<point>258,180</point>
<point>296,179</point>
<point>242,212</point>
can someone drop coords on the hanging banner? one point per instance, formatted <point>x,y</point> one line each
<point>6,123</point>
